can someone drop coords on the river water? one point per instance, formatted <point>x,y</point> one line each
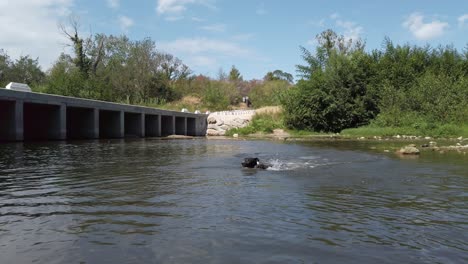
<point>189,201</point>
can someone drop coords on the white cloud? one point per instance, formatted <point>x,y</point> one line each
<point>176,8</point>
<point>202,61</point>
<point>197,46</point>
<point>424,31</point>
<point>208,54</point>
<point>114,4</point>
<point>197,19</point>
<point>29,27</point>
<point>243,37</point>
<point>317,23</point>
<point>312,42</point>
<point>334,16</point>
<point>261,10</point>
<point>351,30</point>
<point>215,28</point>
<point>125,23</point>
<point>462,20</point>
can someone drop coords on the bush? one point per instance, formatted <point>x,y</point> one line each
<point>268,93</point>
<point>218,95</point>
<point>264,123</point>
<point>420,89</point>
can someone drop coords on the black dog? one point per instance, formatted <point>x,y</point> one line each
<point>254,163</point>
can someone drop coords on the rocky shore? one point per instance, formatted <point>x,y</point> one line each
<point>220,122</point>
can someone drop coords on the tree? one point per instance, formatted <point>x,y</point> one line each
<point>5,68</point>
<point>86,61</point>
<point>278,75</point>
<point>234,75</point>
<point>333,93</point>
<point>27,70</point>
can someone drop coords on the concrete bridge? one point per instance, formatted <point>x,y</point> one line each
<point>36,116</point>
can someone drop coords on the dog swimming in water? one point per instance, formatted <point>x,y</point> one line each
<point>254,163</point>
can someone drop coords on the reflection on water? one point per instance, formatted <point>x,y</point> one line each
<point>190,201</point>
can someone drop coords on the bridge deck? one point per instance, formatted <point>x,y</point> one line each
<point>28,115</point>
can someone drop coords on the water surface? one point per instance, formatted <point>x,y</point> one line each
<point>188,201</point>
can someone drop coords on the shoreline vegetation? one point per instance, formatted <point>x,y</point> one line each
<point>344,89</point>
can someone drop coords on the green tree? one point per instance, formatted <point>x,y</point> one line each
<point>278,75</point>
<point>5,68</point>
<point>334,92</point>
<point>27,70</point>
<point>234,75</point>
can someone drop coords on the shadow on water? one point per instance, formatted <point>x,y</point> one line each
<point>145,200</point>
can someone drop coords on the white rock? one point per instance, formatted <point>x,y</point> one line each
<point>212,132</point>
<point>427,138</point>
<point>211,120</point>
<point>235,135</point>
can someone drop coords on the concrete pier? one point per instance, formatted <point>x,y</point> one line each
<point>35,116</point>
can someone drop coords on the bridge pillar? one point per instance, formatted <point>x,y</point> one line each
<point>158,130</point>
<point>121,124</point>
<point>19,120</point>
<point>142,122</point>
<point>61,132</point>
<point>11,120</point>
<point>95,123</point>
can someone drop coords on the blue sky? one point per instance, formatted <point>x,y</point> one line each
<point>255,36</point>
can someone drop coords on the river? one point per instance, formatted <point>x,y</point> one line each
<point>189,201</point>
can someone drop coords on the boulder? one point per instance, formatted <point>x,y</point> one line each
<point>211,120</point>
<point>212,132</point>
<point>409,150</point>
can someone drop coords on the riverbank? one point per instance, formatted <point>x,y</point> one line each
<point>378,143</point>
<point>270,125</point>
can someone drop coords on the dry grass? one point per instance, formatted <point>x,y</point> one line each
<point>269,110</point>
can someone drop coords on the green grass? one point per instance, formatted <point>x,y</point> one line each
<point>267,122</point>
<point>305,133</point>
<point>261,123</point>
<point>439,131</point>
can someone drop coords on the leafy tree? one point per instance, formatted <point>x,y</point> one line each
<point>5,68</point>
<point>334,93</point>
<point>278,75</point>
<point>342,86</point>
<point>234,75</point>
<point>268,93</point>
<point>27,70</point>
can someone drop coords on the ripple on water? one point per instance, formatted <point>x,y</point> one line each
<point>190,201</point>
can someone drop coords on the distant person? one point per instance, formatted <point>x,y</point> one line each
<point>247,101</point>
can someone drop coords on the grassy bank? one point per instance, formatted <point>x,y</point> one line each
<point>261,123</point>
<point>441,131</point>
<point>266,122</point>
